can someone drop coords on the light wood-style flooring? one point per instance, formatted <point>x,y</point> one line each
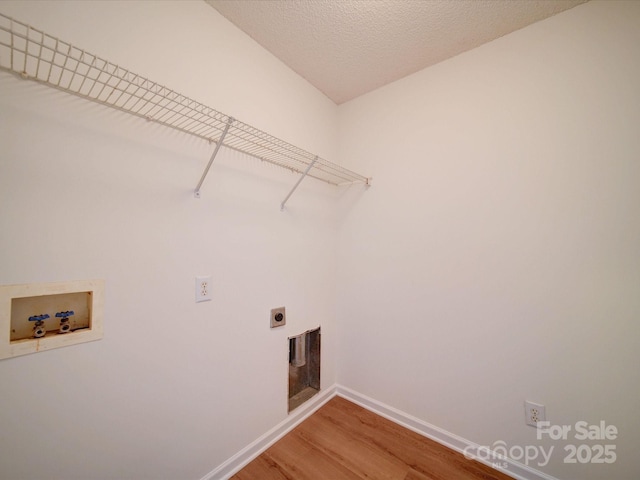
<point>344,441</point>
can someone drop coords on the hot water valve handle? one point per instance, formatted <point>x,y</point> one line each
<point>38,328</point>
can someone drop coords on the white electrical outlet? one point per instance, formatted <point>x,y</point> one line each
<point>534,413</point>
<point>203,289</point>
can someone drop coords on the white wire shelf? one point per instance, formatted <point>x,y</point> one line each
<point>36,55</point>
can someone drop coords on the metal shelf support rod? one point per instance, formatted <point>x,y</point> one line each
<point>298,182</point>
<point>196,192</point>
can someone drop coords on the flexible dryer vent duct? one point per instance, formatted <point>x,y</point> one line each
<point>299,350</point>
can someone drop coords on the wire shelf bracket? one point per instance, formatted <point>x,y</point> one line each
<point>304,174</point>
<point>35,55</point>
<point>196,193</point>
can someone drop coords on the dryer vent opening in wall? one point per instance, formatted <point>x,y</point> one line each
<point>304,367</point>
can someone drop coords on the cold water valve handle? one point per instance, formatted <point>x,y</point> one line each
<point>38,328</point>
<point>64,320</point>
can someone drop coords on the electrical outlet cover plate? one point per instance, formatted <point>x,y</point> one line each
<point>278,317</point>
<point>534,413</point>
<point>203,288</point>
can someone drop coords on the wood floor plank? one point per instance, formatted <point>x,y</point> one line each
<point>351,451</point>
<point>422,454</point>
<point>262,467</point>
<point>415,475</point>
<point>345,441</point>
<point>297,459</point>
<point>397,442</point>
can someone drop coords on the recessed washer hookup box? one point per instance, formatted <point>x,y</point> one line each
<point>41,316</point>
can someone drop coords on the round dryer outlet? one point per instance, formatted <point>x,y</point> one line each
<point>278,317</point>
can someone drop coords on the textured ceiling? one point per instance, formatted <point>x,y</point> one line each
<point>346,48</point>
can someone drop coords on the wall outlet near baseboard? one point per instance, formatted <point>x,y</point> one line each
<point>534,413</point>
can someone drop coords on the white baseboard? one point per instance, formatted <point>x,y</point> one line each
<point>244,456</point>
<point>514,469</point>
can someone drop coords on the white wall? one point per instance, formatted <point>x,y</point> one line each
<point>174,388</point>
<point>495,258</point>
